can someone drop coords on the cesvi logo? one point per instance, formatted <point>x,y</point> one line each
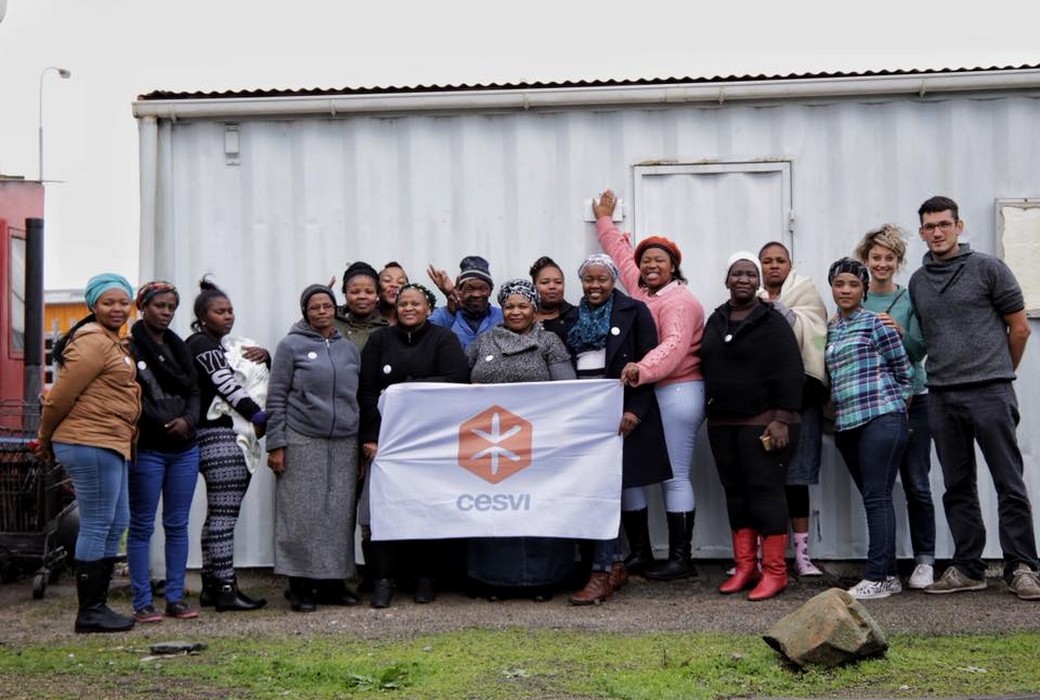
<point>495,444</point>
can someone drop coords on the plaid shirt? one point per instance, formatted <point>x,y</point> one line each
<point>869,369</point>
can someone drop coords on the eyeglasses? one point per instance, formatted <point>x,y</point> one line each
<point>944,226</point>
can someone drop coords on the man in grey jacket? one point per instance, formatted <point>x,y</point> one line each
<point>973,316</point>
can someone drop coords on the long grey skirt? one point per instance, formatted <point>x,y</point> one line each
<point>314,508</point>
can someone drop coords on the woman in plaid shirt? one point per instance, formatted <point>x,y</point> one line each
<point>870,389</point>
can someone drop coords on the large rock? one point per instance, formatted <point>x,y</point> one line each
<point>832,628</point>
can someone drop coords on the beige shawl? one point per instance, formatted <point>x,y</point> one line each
<point>808,317</point>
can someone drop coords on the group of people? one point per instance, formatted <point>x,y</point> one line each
<point>135,420</point>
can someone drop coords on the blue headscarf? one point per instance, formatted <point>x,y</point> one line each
<point>99,284</point>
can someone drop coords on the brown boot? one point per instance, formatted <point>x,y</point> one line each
<point>618,576</point>
<point>596,591</point>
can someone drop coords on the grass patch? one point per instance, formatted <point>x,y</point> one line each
<point>515,664</point>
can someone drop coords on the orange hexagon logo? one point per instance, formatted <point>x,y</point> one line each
<point>495,444</point>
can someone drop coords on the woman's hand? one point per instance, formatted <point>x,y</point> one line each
<point>604,206</point>
<point>630,374</point>
<point>369,450</point>
<point>260,429</point>
<point>276,460</point>
<point>777,432</point>
<point>179,428</point>
<point>891,323</point>
<point>256,354</point>
<point>629,421</point>
<point>42,450</point>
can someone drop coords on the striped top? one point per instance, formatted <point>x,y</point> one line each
<point>869,369</point>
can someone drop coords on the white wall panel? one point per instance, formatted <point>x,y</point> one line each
<point>311,194</point>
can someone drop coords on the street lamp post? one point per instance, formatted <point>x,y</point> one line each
<point>65,74</point>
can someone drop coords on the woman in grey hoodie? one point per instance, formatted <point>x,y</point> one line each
<point>312,449</point>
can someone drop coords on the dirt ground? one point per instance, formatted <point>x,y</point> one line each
<point>690,605</point>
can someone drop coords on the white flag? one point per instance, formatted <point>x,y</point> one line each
<point>540,459</point>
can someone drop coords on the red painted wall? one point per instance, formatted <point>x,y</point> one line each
<point>19,200</point>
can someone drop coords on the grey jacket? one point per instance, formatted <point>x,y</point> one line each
<point>961,303</point>
<point>313,386</point>
<point>501,356</point>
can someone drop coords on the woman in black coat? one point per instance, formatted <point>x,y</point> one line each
<point>414,350</point>
<point>611,331</point>
<point>753,385</point>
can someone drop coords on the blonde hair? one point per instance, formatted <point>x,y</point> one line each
<point>887,236</point>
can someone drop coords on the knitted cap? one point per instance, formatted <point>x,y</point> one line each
<point>310,291</point>
<point>474,267</point>
<point>745,255</point>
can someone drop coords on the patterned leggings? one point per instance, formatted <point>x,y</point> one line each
<point>223,466</point>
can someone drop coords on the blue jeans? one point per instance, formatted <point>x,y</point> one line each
<point>914,470</point>
<point>872,453</point>
<point>99,477</point>
<point>173,475</point>
<point>605,553</point>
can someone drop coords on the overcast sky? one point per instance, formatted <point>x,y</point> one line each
<point>118,49</point>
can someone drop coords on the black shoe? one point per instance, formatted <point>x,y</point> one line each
<point>301,594</point>
<point>382,593</point>
<point>424,592</point>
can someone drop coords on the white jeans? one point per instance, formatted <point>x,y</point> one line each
<point>682,412</point>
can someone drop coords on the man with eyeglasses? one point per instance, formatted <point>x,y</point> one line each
<point>973,316</point>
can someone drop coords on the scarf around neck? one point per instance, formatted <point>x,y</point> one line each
<point>591,329</point>
<point>178,377</point>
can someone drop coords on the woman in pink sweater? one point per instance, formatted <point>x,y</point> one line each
<point>650,271</point>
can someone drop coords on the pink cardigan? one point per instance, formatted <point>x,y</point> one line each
<point>677,313</point>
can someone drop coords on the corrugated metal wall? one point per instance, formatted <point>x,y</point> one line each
<point>304,196</point>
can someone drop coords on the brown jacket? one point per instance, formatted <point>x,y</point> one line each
<point>96,399</point>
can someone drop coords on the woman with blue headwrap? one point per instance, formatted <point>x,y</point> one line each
<point>612,330</point>
<point>89,422</point>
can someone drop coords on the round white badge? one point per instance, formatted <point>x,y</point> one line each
<point>489,358</point>
<point>141,365</point>
<point>729,337</point>
<point>312,355</point>
<point>615,331</point>
<point>387,369</point>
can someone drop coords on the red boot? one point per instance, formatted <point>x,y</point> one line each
<point>745,573</point>
<point>774,568</point>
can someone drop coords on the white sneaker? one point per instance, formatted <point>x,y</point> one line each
<point>924,574</point>
<point>893,585</point>
<point>870,590</point>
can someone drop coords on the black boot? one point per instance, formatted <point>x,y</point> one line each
<point>301,594</point>
<point>258,602</point>
<point>637,531</point>
<point>382,593</point>
<point>92,580</point>
<point>227,598</point>
<point>424,590</point>
<point>334,592</point>
<point>679,564</point>
<point>207,594</point>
